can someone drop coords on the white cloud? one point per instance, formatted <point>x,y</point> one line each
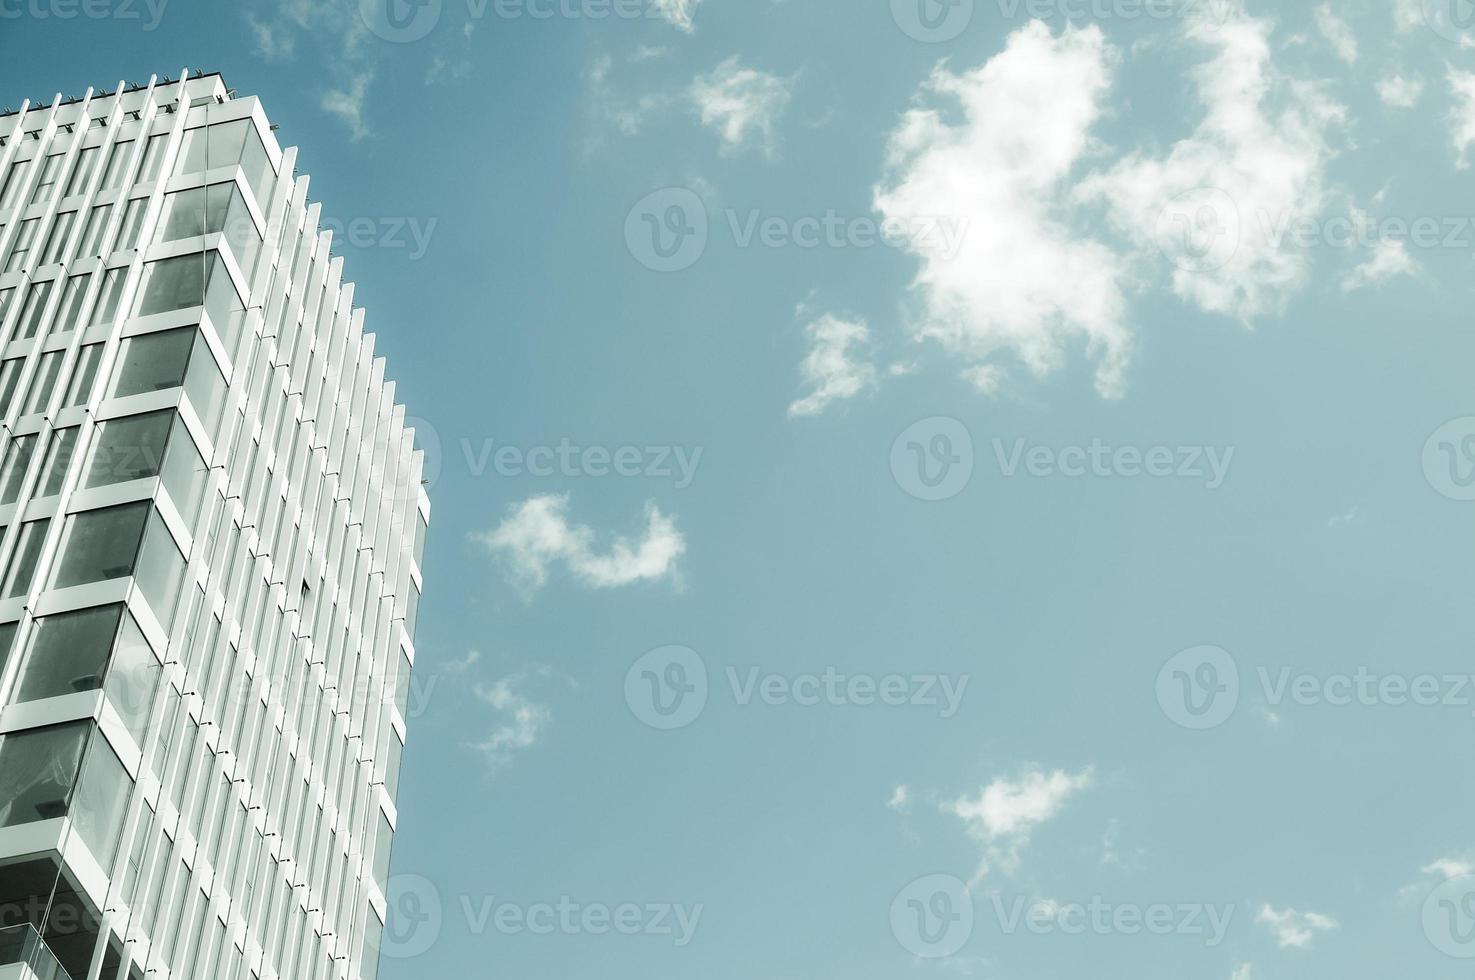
<point>679,12</point>
<point>1218,203</point>
<point>463,664</point>
<point>519,720</point>
<point>1400,92</point>
<point>628,115</point>
<point>1408,15</point>
<point>830,369</point>
<point>538,535</point>
<point>901,799</point>
<point>742,104</point>
<point>1006,812</point>
<point>347,103</point>
<point>1338,32</point>
<point>344,48</point>
<point>1389,260</point>
<point>1448,868</point>
<point>1462,116</point>
<point>1293,929</point>
<point>1243,972</point>
<point>1024,281</point>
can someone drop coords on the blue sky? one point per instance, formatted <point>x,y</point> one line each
<point>892,460</point>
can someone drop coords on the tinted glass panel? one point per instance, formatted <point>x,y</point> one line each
<point>101,544</point>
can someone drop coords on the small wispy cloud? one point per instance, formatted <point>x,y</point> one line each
<point>1390,259</point>
<point>347,103</point>
<point>341,43</point>
<point>1292,929</point>
<point>1462,116</point>
<point>1006,812</point>
<point>1338,32</point>
<point>1451,867</point>
<point>1399,91</point>
<point>679,13</point>
<point>901,799</point>
<point>833,370</point>
<point>538,535</point>
<point>518,720</point>
<point>743,105</point>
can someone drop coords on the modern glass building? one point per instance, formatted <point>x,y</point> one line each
<point>211,523</point>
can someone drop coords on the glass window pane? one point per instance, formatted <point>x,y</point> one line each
<point>160,570</point>
<point>56,240</point>
<point>184,474</point>
<point>43,385</point>
<point>58,460</point>
<point>13,471</point>
<point>204,386</point>
<point>24,240</point>
<point>117,165</point>
<point>9,378</point>
<point>37,770</point>
<point>112,292</point>
<point>133,677</point>
<point>97,222</point>
<point>7,640</point>
<point>153,158</point>
<point>101,799</point>
<point>381,851</point>
<point>128,448</point>
<point>195,212</point>
<point>172,284</point>
<point>50,171</point>
<point>101,544</point>
<point>82,173</point>
<point>67,652</point>
<point>23,563</point>
<point>152,362</point>
<point>30,316</point>
<point>132,224</point>
<point>13,181</point>
<point>83,375</point>
<point>71,303</point>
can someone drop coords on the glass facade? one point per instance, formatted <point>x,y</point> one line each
<point>211,526</point>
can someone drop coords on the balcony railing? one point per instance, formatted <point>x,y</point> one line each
<point>23,945</point>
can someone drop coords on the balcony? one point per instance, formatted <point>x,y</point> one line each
<point>24,956</point>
